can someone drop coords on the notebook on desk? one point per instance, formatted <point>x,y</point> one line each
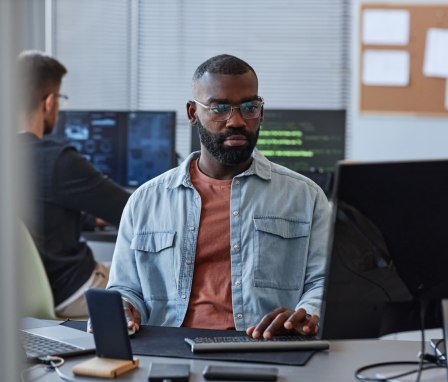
<point>41,338</point>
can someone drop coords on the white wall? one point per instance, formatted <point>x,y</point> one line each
<point>390,137</point>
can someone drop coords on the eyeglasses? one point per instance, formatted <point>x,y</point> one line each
<point>223,111</point>
<point>63,99</point>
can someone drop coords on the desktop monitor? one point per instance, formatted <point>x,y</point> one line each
<point>306,141</point>
<point>130,147</point>
<point>388,248</point>
<point>303,140</point>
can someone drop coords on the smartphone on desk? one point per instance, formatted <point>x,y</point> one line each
<point>109,325</point>
<point>240,373</point>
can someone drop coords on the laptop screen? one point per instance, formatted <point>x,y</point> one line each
<point>388,248</point>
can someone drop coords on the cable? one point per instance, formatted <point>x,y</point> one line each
<point>426,362</point>
<point>361,377</point>
<point>61,375</point>
<point>49,362</point>
<point>422,342</point>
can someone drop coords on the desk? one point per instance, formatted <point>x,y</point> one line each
<point>336,365</point>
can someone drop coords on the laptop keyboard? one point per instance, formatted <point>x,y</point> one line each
<point>38,346</point>
<point>246,343</point>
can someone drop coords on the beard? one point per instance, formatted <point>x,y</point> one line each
<point>227,155</point>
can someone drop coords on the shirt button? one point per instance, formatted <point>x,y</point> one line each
<point>236,247</point>
<point>184,296</point>
<point>237,282</point>
<point>239,316</point>
<point>237,181</point>
<point>188,261</point>
<point>235,213</point>
<point>191,227</point>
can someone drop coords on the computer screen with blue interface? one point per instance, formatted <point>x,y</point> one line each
<point>130,147</point>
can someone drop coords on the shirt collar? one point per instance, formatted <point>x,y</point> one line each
<point>260,167</point>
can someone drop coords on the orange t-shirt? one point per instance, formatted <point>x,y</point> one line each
<point>210,304</point>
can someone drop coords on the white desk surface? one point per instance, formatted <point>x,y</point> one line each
<point>336,365</point>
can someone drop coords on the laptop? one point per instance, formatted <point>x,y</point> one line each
<point>41,338</point>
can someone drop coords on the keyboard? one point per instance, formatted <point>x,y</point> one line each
<point>38,346</point>
<point>246,343</point>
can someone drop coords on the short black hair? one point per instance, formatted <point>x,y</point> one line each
<point>40,75</point>
<point>223,64</point>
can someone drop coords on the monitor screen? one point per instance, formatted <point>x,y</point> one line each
<point>388,248</point>
<point>303,140</point>
<point>130,147</point>
<point>306,141</point>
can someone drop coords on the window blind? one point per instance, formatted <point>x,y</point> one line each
<point>141,54</point>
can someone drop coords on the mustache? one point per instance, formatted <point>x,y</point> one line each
<point>221,137</point>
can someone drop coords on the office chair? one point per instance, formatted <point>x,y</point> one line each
<point>37,297</point>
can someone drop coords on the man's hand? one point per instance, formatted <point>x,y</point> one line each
<point>282,321</point>
<point>131,314</point>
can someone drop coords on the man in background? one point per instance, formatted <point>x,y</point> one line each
<point>227,240</point>
<point>63,187</point>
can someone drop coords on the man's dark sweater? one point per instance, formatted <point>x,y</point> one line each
<point>62,186</point>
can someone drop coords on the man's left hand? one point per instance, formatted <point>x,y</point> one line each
<point>282,321</point>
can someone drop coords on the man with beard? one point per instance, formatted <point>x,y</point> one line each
<point>63,186</point>
<point>228,240</point>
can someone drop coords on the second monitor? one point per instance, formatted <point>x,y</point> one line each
<point>130,147</point>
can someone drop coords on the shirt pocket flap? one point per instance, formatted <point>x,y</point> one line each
<point>152,241</point>
<point>284,228</point>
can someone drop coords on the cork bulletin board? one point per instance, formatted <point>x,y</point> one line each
<point>422,95</point>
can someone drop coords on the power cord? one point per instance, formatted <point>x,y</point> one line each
<point>420,367</point>
<point>422,342</point>
<point>426,362</point>
<point>48,363</point>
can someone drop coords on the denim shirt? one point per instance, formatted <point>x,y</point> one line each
<point>278,241</point>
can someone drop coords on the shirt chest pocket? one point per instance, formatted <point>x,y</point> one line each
<point>280,249</point>
<point>154,256</point>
